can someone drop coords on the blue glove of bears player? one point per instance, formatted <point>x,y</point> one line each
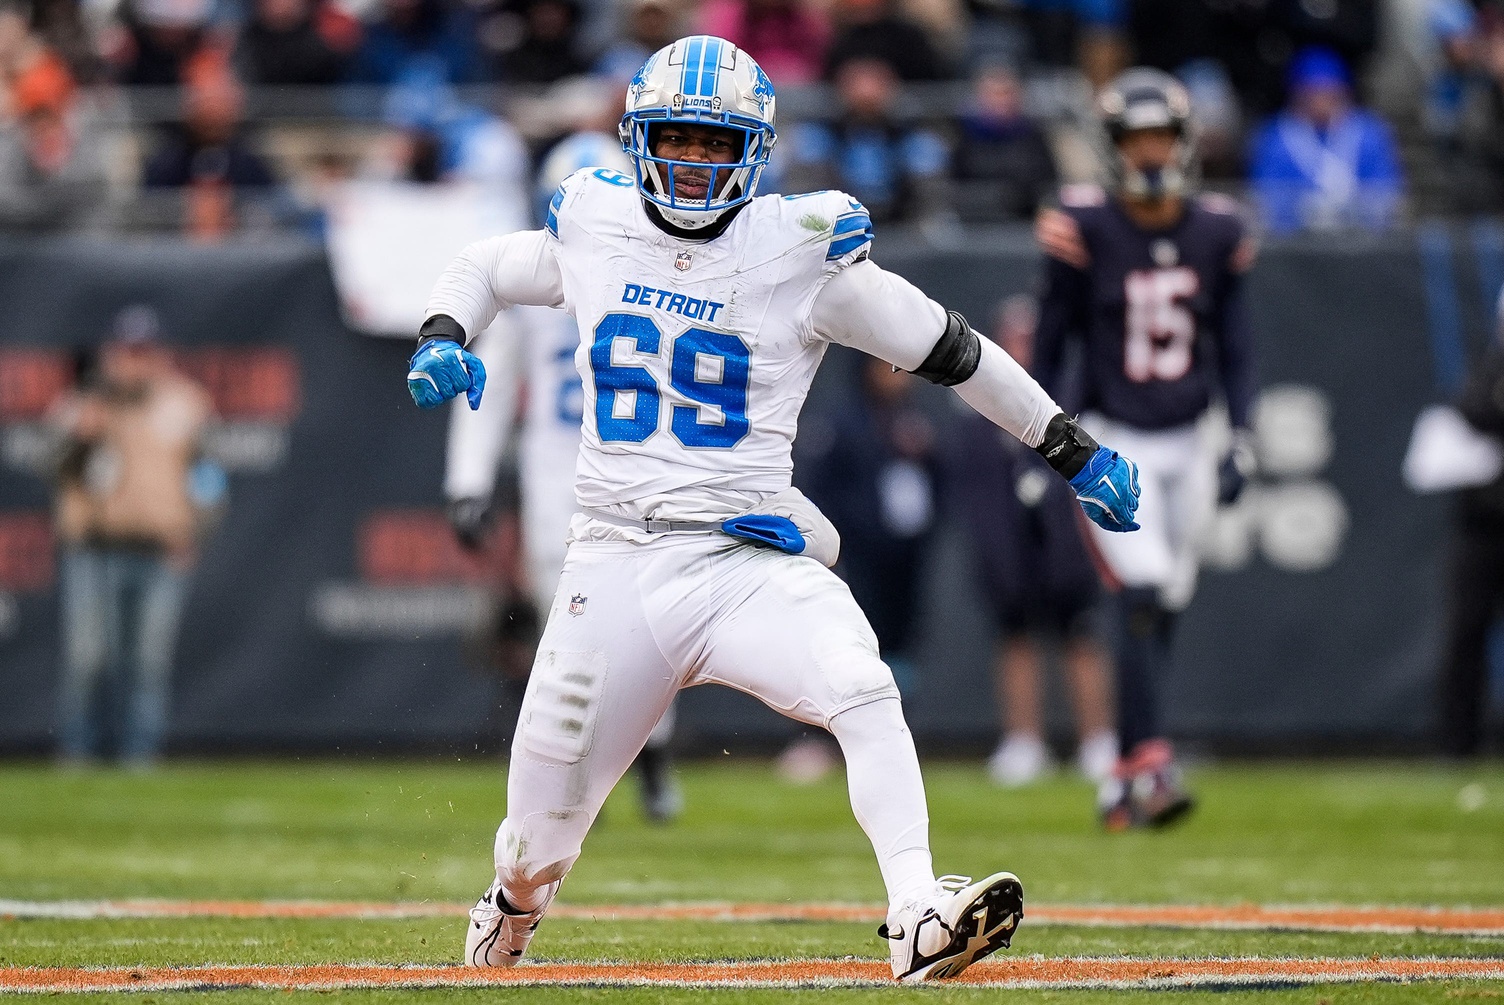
<point>1105,482</point>
<point>442,369</point>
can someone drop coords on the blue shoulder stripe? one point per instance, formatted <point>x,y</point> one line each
<point>850,232</point>
<point>846,245</point>
<point>852,222</point>
<point>551,221</point>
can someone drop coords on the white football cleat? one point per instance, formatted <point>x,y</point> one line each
<point>496,936</point>
<point>938,937</point>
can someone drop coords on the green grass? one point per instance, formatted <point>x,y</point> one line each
<point>1330,834</point>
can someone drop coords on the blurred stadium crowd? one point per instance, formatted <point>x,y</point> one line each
<point>217,116</point>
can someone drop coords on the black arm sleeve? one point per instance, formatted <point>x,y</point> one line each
<point>1235,355</point>
<point>1064,300</point>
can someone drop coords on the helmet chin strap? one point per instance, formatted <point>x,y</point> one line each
<point>689,219</point>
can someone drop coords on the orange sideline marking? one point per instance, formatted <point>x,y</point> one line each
<point>1021,972</point>
<point>1454,921</point>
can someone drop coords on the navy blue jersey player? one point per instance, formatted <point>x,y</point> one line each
<point>1149,279</point>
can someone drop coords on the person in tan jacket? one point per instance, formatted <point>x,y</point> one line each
<point>132,491</point>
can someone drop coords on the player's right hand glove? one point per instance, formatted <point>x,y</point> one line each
<point>1108,490</point>
<point>442,369</point>
<point>1105,483</point>
<point>470,519</point>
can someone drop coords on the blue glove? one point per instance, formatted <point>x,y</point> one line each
<point>440,370</point>
<point>1108,490</point>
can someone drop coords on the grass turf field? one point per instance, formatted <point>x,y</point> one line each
<point>1354,834</point>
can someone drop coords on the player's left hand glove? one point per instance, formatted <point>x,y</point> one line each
<point>1108,490</point>
<point>1105,483</point>
<point>442,369</point>
<point>1233,472</point>
<point>470,519</point>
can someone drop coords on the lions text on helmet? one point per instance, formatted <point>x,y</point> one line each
<point>699,129</point>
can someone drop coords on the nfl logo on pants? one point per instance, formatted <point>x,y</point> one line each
<point>577,604</point>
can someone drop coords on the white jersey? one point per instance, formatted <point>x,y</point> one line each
<point>697,355</point>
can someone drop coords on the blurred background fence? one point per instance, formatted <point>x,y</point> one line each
<point>328,608</point>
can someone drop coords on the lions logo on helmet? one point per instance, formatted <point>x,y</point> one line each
<point>1144,98</point>
<point>701,80</point>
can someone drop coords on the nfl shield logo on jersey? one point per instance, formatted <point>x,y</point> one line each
<point>577,604</point>
<point>682,263</point>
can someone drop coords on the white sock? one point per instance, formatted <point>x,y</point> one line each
<point>527,900</point>
<point>887,794</point>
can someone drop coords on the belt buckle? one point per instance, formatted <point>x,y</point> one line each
<point>657,526</point>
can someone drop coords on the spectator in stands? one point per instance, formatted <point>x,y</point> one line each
<point>1477,161</point>
<point>61,26</point>
<point>1035,575</point>
<point>1453,27</point>
<point>1349,28</point>
<point>873,30</point>
<point>543,45</point>
<point>1002,162</point>
<point>896,169</point>
<point>437,137</point>
<point>873,468</point>
<point>434,35</point>
<point>287,43</point>
<point>649,26</point>
<point>788,38</point>
<point>1089,34</point>
<point>1324,163</point>
<point>52,169</point>
<point>208,158</point>
<point>131,499</point>
<point>158,41</point>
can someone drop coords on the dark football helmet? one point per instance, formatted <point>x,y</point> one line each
<point>1144,98</point>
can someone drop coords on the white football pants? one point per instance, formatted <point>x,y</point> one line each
<point>631,624</point>
<point>1177,472</point>
<point>548,506</point>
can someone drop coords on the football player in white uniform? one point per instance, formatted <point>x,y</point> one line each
<point>704,313</point>
<point>534,347</point>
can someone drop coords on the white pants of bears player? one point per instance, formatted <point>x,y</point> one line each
<point>1177,470</point>
<point>632,624</point>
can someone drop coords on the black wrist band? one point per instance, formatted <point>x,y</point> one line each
<point>440,326</point>
<point>1066,446</point>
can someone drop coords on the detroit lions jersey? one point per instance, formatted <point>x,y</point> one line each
<point>696,356</point>
<point>1159,313</point>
